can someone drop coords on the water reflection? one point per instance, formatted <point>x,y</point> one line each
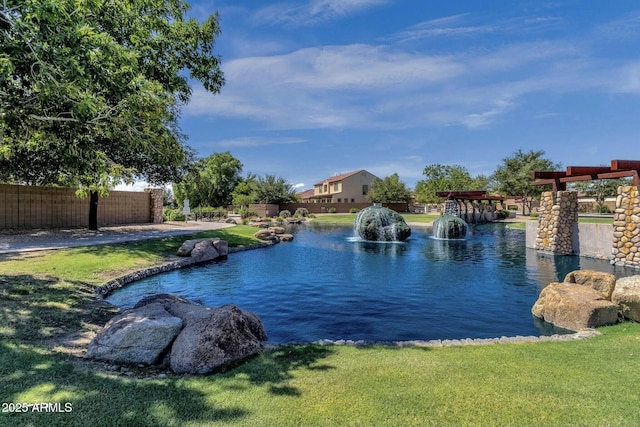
<point>326,284</point>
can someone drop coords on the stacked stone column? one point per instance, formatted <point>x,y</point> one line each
<point>557,222</point>
<point>626,228</point>
<point>155,204</point>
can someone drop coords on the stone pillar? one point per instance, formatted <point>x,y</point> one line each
<point>626,228</point>
<point>155,204</point>
<point>558,222</point>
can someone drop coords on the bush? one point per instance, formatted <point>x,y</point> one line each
<point>207,213</point>
<point>173,215</point>
<point>285,214</point>
<point>604,209</point>
<point>354,210</point>
<point>332,210</point>
<point>245,212</point>
<point>301,212</point>
<point>502,214</point>
<point>534,214</point>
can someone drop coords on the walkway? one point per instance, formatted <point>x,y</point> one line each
<point>41,240</point>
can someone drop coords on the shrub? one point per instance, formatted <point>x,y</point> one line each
<point>332,210</point>
<point>285,214</point>
<point>301,212</point>
<point>534,214</point>
<point>605,209</point>
<point>207,213</point>
<point>502,214</point>
<point>354,210</point>
<point>245,212</point>
<point>174,215</point>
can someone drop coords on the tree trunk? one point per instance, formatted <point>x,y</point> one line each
<point>93,210</point>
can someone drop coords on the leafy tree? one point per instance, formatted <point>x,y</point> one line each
<point>91,90</point>
<point>600,189</point>
<point>513,177</point>
<point>389,190</point>
<point>445,178</point>
<point>210,182</point>
<point>245,192</point>
<point>274,189</point>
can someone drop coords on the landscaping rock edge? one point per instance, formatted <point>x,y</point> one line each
<point>103,290</point>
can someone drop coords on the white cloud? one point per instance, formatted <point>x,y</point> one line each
<point>257,142</point>
<point>311,12</point>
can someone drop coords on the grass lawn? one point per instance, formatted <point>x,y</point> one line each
<point>48,295</point>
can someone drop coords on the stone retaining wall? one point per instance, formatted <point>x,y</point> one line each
<point>626,228</point>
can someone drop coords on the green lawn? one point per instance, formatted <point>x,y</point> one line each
<point>49,295</point>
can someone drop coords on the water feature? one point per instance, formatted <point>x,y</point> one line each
<point>325,285</point>
<point>376,223</point>
<point>449,225</point>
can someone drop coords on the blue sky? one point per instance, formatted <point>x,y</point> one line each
<point>317,88</point>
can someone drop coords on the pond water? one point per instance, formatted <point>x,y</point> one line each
<point>326,284</point>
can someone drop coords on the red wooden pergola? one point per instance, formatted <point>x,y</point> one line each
<point>462,197</point>
<point>618,169</point>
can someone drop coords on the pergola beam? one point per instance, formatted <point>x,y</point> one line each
<point>618,169</point>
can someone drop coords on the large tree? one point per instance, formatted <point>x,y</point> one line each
<point>513,176</point>
<point>274,189</point>
<point>210,182</point>
<point>91,90</point>
<point>389,190</point>
<point>445,178</point>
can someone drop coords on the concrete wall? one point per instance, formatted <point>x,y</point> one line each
<point>591,240</point>
<point>318,208</point>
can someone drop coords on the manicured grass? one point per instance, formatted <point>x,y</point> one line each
<point>424,218</point>
<point>590,382</point>
<point>595,220</point>
<point>49,295</point>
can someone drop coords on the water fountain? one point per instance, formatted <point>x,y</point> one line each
<point>376,223</point>
<point>449,225</point>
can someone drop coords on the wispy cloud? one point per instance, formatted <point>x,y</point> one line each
<point>257,142</point>
<point>311,12</point>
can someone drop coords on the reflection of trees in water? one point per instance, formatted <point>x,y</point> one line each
<point>454,250</point>
<point>387,249</point>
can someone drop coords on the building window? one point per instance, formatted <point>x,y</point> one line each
<point>336,187</point>
<point>365,189</point>
<point>324,188</point>
<point>353,200</point>
<point>339,200</point>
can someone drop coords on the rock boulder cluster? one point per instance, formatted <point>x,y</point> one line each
<point>589,299</point>
<point>273,235</point>
<point>188,337</point>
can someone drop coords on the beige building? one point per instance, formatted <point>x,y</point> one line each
<point>351,187</point>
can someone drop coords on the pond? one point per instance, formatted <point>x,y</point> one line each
<point>326,284</point>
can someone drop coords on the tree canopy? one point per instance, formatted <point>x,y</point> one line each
<point>446,178</point>
<point>513,176</point>
<point>389,190</point>
<point>91,90</point>
<point>274,189</point>
<point>210,182</point>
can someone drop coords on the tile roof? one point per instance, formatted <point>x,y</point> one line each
<point>339,177</point>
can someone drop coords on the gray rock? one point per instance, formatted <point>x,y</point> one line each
<point>222,246</point>
<point>575,307</point>
<point>187,311</point>
<point>627,296</point>
<point>186,247</point>
<point>204,251</point>
<point>227,335</point>
<point>138,335</point>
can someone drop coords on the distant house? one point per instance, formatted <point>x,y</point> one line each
<point>351,187</point>
<point>305,196</point>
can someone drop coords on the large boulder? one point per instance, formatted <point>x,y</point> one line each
<point>575,307</point>
<point>206,249</point>
<point>602,282</point>
<point>449,226</point>
<point>226,336</point>
<point>140,335</point>
<point>376,223</point>
<point>187,311</point>
<point>627,296</point>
